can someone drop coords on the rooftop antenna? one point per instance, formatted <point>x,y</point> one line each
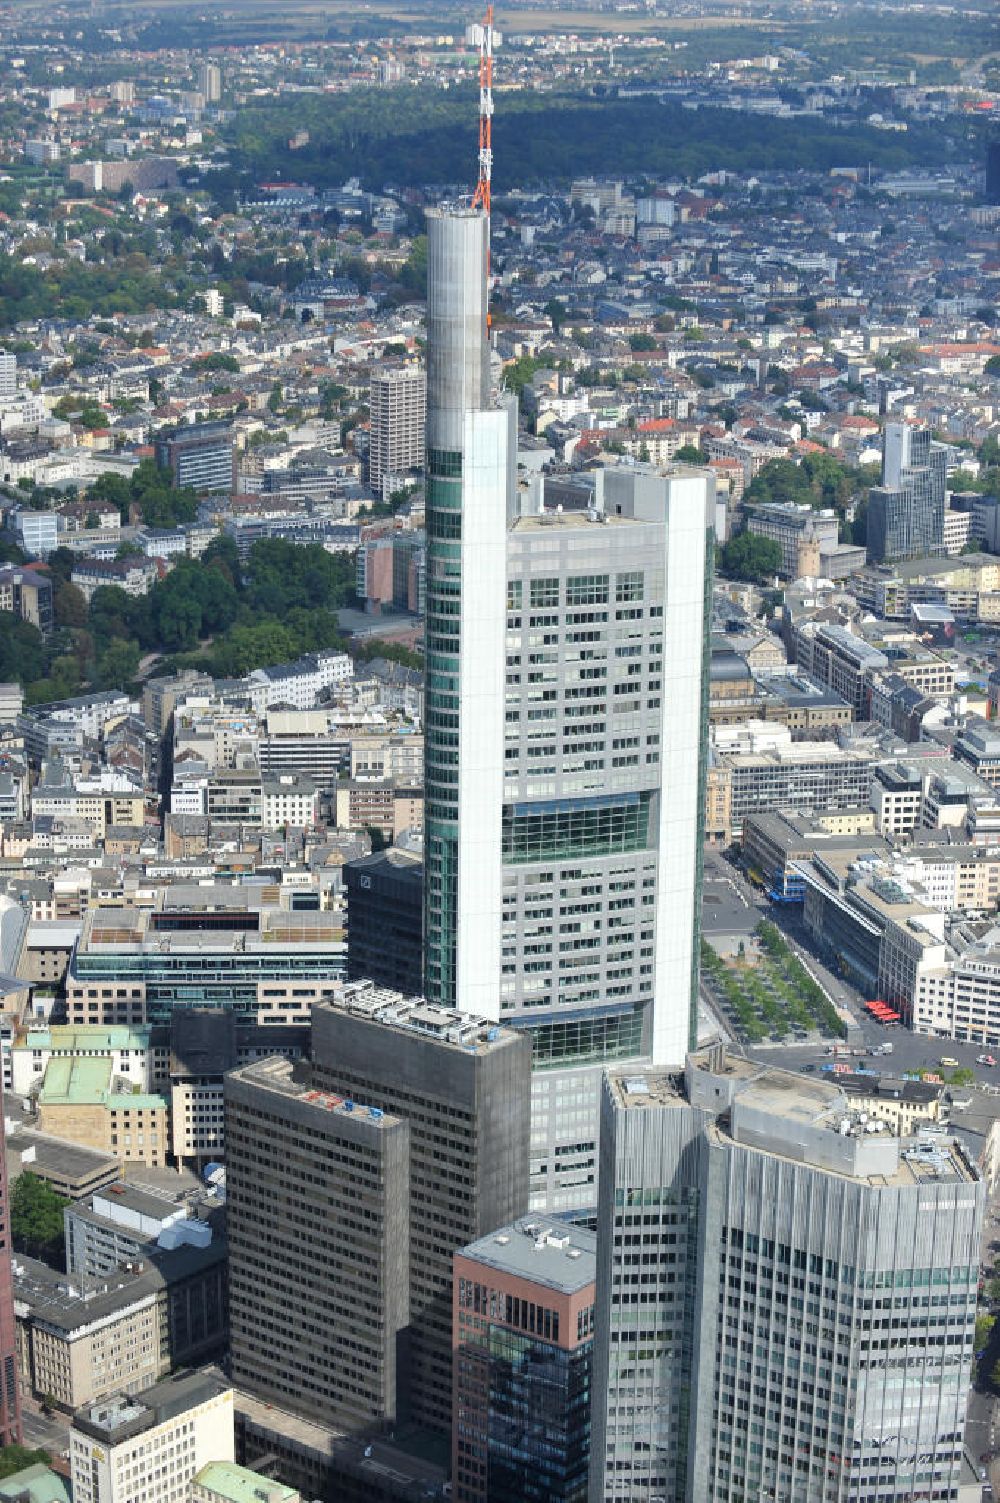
<point>482,193</point>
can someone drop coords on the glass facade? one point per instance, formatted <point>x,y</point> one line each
<point>539,1423</point>
<point>567,828</point>
<point>442,710</point>
<point>523,1435</point>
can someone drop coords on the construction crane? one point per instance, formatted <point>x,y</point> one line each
<point>482,193</point>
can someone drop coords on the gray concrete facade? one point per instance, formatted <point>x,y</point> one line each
<point>463,1086</point>
<point>318,1195</point>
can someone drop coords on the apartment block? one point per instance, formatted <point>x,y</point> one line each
<point>398,411</point>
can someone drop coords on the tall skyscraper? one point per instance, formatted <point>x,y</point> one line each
<point>462,1085</point>
<point>563,805</point>
<point>993,172</point>
<point>10,1395</point>
<point>397,410</point>
<point>906,513</point>
<point>786,1300</point>
<point>210,82</point>
<point>318,1221</point>
<point>469,487</point>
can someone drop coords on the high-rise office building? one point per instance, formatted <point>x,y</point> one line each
<point>384,920</point>
<point>8,374</point>
<point>318,1223</point>
<point>210,82</point>
<point>463,1087</point>
<point>200,456</point>
<point>562,805</point>
<point>524,1336</point>
<point>786,1299</point>
<point>993,172</point>
<point>906,513</point>
<point>397,410</point>
<point>10,1398</point>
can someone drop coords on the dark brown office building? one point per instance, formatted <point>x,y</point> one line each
<point>318,1218</point>
<point>464,1086</point>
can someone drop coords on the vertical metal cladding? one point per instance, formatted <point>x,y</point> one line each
<point>458,356</point>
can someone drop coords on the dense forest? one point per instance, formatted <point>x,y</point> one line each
<point>412,136</point>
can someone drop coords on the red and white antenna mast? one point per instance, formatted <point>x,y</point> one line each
<point>482,193</point>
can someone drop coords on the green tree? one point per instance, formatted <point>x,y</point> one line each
<point>747,556</point>
<point>36,1218</point>
<point>69,605</point>
<point>690,454</point>
<point>16,1458</point>
<point>118,664</point>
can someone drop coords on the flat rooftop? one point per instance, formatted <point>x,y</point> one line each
<point>554,1254</point>
<point>446,1026</point>
<point>238,1484</point>
<point>124,1415</point>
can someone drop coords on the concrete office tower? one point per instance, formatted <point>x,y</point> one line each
<point>8,374</point>
<point>993,172</point>
<point>786,1300</point>
<point>10,1397</point>
<point>210,82</point>
<point>906,513</point>
<point>318,1220</point>
<point>398,410</point>
<point>463,1087</point>
<point>524,1336</point>
<point>471,462</point>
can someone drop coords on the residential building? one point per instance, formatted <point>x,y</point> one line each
<point>811,1275</point>
<point>318,1190</point>
<point>210,82</point>
<point>135,575</point>
<point>523,1323</point>
<point>200,456</point>
<point>152,1445</point>
<point>398,410</point>
<point>27,594</point>
<point>384,920</point>
<point>462,1084</point>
